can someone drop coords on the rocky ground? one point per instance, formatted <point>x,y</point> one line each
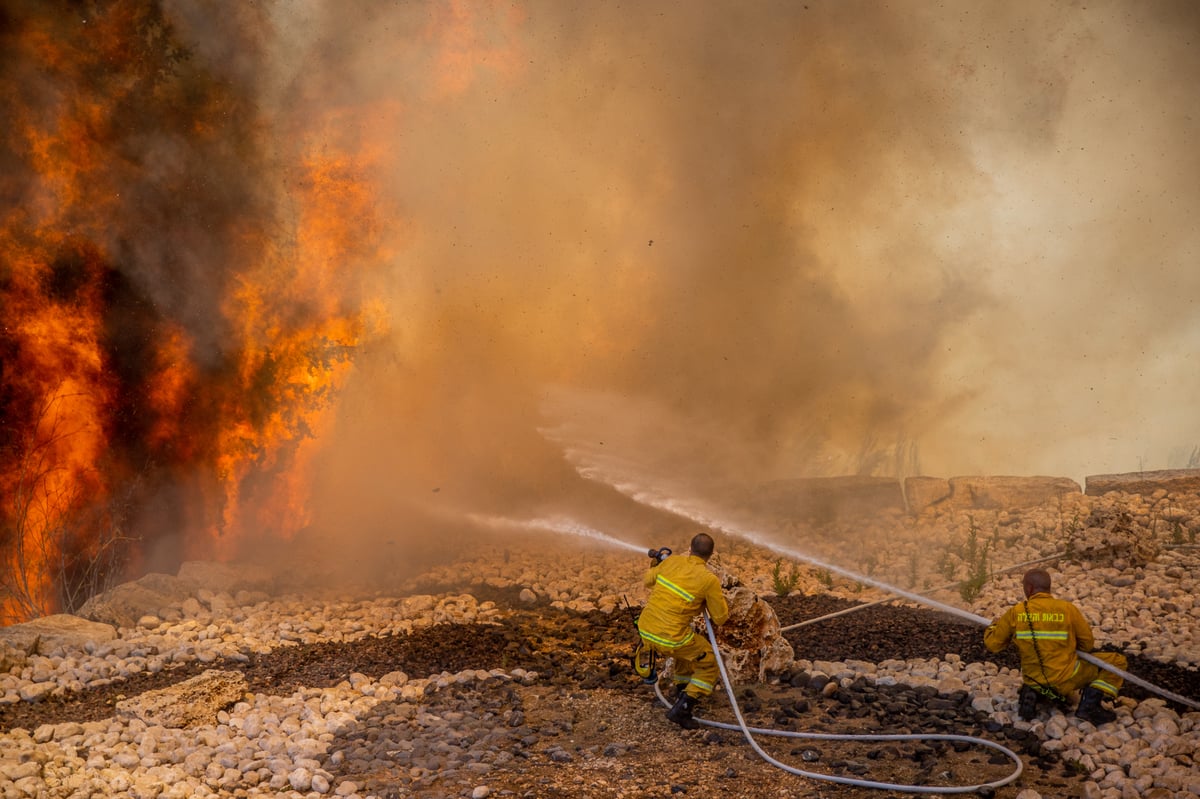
<point>587,727</point>
<point>521,687</point>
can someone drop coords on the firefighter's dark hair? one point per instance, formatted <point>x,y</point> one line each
<point>1036,581</point>
<point>702,545</point>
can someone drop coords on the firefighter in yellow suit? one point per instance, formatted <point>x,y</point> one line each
<point>680,587</point>
<point>1047,632</point>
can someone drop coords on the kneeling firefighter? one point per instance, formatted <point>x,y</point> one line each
<point>1047,632</point>
<point>680,587</point>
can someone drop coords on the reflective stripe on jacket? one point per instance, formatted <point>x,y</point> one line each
<point>1057,627</point>
<point>679,587</point>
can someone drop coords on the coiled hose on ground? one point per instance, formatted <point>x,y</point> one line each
<point>750,732</point>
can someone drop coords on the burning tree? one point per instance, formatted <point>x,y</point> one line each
<point>172,334</point>
<point>63,546</point>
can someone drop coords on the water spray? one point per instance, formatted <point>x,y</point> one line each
<point>920,599</point>
<point>554,525</point>
<point>712,522</point>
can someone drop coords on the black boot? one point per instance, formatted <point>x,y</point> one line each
<point>681,712</point>
<point>1027,702</point>
<point>1090,708</point>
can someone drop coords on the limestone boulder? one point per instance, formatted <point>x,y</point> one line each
<point>124,604</point>
<point>751,641</point>
<point>50,633</point>
<point>922,492</point>
<point>985,492</point>
<point>11,656</point>
<point>1004,492</point>
<point>191,703</point>
<point>1182,481</point>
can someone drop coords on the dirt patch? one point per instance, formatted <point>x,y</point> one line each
<point>608,743</point>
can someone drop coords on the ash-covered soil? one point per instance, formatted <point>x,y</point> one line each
<point>589,727</point>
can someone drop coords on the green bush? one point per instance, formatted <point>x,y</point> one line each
<point>977,568</point>
<point>784,585</point>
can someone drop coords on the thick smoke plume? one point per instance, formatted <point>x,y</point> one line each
<point>724,241</point>
<point>821,239</point>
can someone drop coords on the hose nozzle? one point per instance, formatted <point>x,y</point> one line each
<point>659,555</point>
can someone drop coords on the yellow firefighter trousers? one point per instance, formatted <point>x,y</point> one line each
<point>1093,675</point>
<point>696,669</point>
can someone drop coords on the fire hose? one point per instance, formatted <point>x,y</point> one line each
<point>749,733</point>
<point>888,599</point>
<point>1090,658</point>
<point>973,617</point>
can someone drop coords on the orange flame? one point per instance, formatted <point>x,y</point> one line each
<point>179,311</point>
<point>300,323</point>
<point>54,382</point>
<point>87,405</point>
<point>59,367</point>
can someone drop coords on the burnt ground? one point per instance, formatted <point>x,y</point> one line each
<point>586,697</point>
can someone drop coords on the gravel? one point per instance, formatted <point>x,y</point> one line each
<point>518,684</point>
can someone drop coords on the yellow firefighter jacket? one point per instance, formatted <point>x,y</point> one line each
<point>1055,626</point>
<point>679,587</point>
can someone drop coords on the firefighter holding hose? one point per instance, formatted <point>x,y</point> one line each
<point>1047,633</point>
<point>680,587</point>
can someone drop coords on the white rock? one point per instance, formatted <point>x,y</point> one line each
<point>1056,726</point>
<point>21,771</point>
<point>1165,724</point>
<point>949,685</point>
<point>36,691</point>
<point>300,779</point>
